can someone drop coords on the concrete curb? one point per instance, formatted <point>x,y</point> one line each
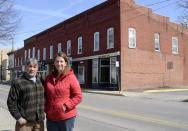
<point>165,90</point>
<point>145,94</point>
<point>114,93</point>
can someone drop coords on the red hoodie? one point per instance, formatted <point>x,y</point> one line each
<point>66,92</point>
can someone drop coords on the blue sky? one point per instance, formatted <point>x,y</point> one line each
<point>38,15</point>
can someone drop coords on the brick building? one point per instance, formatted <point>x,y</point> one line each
<point>4,73</point>
<point>116,45</point>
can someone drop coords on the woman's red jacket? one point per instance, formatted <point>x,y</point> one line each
<point>62,96</point>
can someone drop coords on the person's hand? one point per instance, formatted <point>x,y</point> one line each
<point>64,108</point>
<point>22,121</point>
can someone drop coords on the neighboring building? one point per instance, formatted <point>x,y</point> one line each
<point>117,45</point>
<point>11,64</point>
<point>19,65</point>
<point>4,73</point>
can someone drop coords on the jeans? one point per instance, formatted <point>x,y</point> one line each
<point>62,125</point>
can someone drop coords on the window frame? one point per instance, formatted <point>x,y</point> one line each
<point>96,43</point>
<point>44,54</point>
<point>157,41</point>
<point>29,53</point>
<point>110,40</point>
<point>80,45</point>
<point>38,54</point>
<point>132,39</point>
<point>59,47</point>
<point>33,52</point>
<point>51,52</point>
<point>175,45</point>
<point>68,47</point>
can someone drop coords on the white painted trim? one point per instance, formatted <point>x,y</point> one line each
<point>97,56</point>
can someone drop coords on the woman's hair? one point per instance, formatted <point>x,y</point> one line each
<point>67,67</point>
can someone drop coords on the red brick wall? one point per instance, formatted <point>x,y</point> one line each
<point>97,19</point>
<point>143,67</point>
<point>185,61</point>
<point>18,54</point>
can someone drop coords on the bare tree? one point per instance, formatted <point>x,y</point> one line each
<point>8,20</point>
<point>183,18</point>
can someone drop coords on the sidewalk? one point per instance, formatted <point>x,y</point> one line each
<point>7,123</point>
<point>160,94</point>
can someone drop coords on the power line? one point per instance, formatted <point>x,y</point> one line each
<point>157,3</point>
<point>134,17</point>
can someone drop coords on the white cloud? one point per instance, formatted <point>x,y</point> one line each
<point>49,13</point>
<point>41,12</point>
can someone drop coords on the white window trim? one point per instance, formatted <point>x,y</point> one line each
<point>15,62</point>
<point>175,45</point>
<point>29,53</point>
<point>129,39</point>
<point>38,54</point>
<point>113,66</point>
<point>51,52</point>
<point>25,57</point>
<point>157,42</point>
<point>18,62</point>
<point>95,69</point>
<point>68,47</point>
<point>59,47</point>
<point>81,78</point>
<point>33,52</point>
<point>44,53</point>
<point>95,37</point>
<point>109,46</point>
<point>80,45</point>
<point>21,60</point>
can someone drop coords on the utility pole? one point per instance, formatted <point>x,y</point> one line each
<point>12,44</point>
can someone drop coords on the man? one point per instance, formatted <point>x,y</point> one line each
<point>26,99</point>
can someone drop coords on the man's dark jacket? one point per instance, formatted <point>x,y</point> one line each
<point>26,99</point>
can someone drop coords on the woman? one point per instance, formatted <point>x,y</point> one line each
<point>63,94</point>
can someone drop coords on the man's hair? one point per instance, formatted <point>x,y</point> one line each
<point>31,61</point>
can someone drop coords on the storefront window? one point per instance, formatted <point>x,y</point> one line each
<point>95,70</point>
<point>113,78</point>
<point>105,70</point>
<point>81,74</point>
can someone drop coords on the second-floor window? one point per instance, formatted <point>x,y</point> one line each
<point>174,45</point>
<point>157,41</point>
<point>25,55</point>
<point>33,52</point>
<point>51,52</point>
<point>132,37</point>
<point>21,60</point>
<point>59,47</point>
<point>68,47</point>
<point>29,53</point>
<point>96,41</point>
<point>38,54</point>
<point>80,45</point>
<point>15,62</point>
<point>18,62</point>
<point>44,53</point>
<point>110,38</point>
